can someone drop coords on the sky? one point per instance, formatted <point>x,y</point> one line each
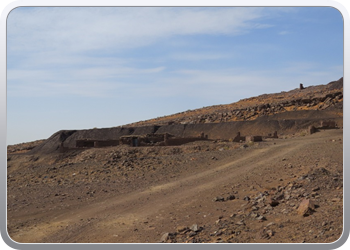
<point>87,67</point>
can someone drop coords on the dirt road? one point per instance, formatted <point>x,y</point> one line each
<point>145,214</point>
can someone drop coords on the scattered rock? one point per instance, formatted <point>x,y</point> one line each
<point>218,199</point>
<point>306,207</point>
<point>230,197</point>
<point>181,229</point>
<point>164,238</point>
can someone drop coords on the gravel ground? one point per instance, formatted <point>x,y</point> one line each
<point>280,190</point>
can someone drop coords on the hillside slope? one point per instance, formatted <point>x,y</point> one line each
<point>327,97</point>
<point>285,112</point>
<point>287,189</point>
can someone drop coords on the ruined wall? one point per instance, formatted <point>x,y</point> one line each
<point>107,143</point>
<point>328,124</point>
<point>274,135</point>
<point>107,134</point>
<point>84,143</point>
<point>238,138</point>
<point>312,129</point>
<point>253,138</point>
<point>226,131</point>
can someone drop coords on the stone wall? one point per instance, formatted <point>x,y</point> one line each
<point>84,143</point>
<point>253,138</point>
<point>238,138</point>
<point>107,143</point>
<point>328,124</point>
<point>223,131</point>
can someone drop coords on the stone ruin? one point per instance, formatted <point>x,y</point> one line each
<point>165,139</point>
<point>323,125</point>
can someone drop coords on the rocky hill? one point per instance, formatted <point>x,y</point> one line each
<point>327,97</point>
<point>285,112</point>
<point>278,190</point>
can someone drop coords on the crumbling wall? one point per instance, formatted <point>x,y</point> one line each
<point>238,138</point>
<point>328,124</point>
<point>274,135</point>
<point>84,143</point>
<point>107,143</point>
<point>312,129</point>
<point>253,138</point>
<point>224,131</point>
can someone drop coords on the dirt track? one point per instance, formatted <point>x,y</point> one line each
<point>145,213</point>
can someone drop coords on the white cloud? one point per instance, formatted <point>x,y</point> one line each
<point>82,29</point>
<point>72,49</point>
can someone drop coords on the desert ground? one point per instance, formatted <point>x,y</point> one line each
<point>288,189</point>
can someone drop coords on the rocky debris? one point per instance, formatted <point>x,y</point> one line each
<point>288,200</point>
<point>265,234</point>
<point>261,203</point>
<point>230,197</point>
<point>219,198</point>
<point>167,237</point>
<point>222,199</point>
<point>320,97</point>
<point>306,207</point>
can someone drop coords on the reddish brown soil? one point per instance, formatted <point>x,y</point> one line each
<point>174,194</point>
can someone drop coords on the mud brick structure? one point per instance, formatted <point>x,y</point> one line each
<point>323,125</point>
<point>175,134</point>
<point>312,129</point>
<point>85,143</point>
<point>328,124</point>
<point>238,138</point>
<point>253,138</point>
<point>106,143</point>
<point>274,135</point>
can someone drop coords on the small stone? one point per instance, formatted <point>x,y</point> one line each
<point>194,228</point>
<point>254,215</point>
<point>230,197</point>
<point>261,218</point>
<point>165,237</point>
<point>240,222</point>
<point>246,198</point>
<point>254,208</point>
<point>192,234</point>
<point>270,224</point>
<point>181,229</point>
<point>272,202</point>
<point>270,233</point>
<point>218,199</point>
<point>306,207</point>
<point>218,233</point>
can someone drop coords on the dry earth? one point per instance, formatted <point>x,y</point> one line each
<point>208,191</point>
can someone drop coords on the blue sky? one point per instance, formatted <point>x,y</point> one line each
<point>79,68</point>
